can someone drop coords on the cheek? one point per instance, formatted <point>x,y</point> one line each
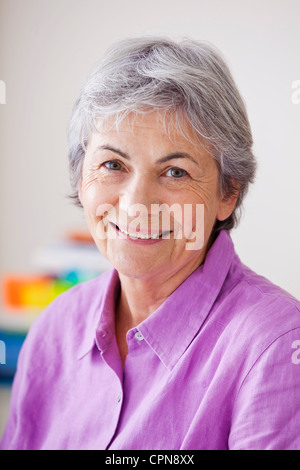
<point>90,200</point>
<point>99,203</point>
<point>95,195</point>
<point>200,205</point>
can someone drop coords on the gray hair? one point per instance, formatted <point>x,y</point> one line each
<point>186,79</point>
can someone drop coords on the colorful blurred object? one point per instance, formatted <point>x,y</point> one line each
<point>56,267</point>
<point>35,292</point>
<point>59,265</point>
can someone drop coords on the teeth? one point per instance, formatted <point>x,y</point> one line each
<point>140,235</point>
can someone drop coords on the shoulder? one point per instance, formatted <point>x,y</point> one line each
<point>262,296</point>
<point>258,312</point>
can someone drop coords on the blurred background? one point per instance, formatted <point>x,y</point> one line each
<point>46,51</point>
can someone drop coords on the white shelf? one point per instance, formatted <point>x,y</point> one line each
<point>17,321</point>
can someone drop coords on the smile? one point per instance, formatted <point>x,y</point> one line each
<point>140,235</point>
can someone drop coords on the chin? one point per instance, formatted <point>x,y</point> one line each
<point>136,267</point>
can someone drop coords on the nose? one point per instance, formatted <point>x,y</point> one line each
<point>138,195</point>
<point>142,204</point>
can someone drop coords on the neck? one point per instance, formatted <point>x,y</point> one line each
<point>139,298</point>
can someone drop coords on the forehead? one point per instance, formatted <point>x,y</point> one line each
<point>149,130</point>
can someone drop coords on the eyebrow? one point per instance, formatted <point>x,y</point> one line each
<point>160,160</point>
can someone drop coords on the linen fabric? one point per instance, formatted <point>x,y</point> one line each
<point>214,367</point>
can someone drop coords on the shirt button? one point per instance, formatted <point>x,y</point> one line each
<point>119,397</point>
<point>138,336</point>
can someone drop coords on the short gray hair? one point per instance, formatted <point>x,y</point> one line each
<point>187,78</point>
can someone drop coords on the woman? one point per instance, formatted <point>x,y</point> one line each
<point>180,346</point>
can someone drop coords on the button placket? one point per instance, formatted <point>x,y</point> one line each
<point>138,336</point>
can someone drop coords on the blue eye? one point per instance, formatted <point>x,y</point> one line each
<point>113,165</point>
<point>176,172</point>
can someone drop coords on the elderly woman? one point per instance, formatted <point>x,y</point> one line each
<point>180,346</point>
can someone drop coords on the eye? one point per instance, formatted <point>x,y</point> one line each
<point>113,165</point>
<point>176,172</point>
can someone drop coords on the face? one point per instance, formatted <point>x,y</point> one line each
<point>131,172</point>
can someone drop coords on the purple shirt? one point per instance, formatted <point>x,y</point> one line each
<point>216,366</point>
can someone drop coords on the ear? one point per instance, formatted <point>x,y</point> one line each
<point>226,207</point>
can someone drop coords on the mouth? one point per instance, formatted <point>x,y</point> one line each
<point>140,235</point>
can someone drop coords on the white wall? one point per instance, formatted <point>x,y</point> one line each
<point>48,47</point>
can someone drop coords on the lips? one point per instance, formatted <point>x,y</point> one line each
<point>142,234</point>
